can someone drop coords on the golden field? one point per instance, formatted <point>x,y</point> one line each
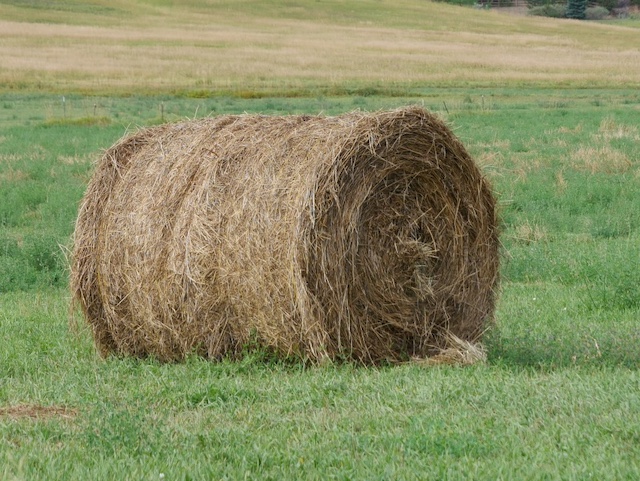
<point>311,46</point>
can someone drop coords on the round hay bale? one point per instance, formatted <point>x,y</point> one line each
<point>367,236</point>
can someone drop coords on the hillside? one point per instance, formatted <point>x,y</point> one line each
<point>299,48</point>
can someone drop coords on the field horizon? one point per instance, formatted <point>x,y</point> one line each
<point>310,48</point>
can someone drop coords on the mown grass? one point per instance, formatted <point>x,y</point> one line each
<point>557,398</point>
<point>262,419</point>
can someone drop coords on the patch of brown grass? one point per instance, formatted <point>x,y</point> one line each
<point>528,233</point>
<point>604,159</point>
<point>12,175</point>
<point>36,411</point>
<point>609,129</point>
<point>561,182</point>
<point>74,159</point>
<point>568,130</point>
<point>490,160</point>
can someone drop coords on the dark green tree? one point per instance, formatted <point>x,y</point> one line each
<point>576,9</point>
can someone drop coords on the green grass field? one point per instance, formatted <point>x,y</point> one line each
<point>559,396</point>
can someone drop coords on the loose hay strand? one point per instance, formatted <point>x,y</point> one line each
<point>455,351</point>
<point>367,236</point>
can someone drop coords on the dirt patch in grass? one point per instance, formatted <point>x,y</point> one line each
<point>36,411</point>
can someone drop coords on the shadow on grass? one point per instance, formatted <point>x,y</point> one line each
<point>613,349</point>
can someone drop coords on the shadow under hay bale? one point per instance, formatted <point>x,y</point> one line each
<point>370,237</point>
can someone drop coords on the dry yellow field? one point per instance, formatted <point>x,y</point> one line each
<point>144,47</point>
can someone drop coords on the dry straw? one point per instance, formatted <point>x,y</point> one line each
<point>367,236</point>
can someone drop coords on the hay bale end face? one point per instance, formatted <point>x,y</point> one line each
<point>367,236</point>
